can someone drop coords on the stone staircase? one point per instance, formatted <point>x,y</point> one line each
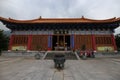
<point>107,54</point>
<point>69,55</point>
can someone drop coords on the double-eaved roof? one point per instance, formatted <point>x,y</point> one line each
<point>60,23</point>
<point>61,20</point>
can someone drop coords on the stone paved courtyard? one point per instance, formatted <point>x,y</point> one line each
<point>31,69</point>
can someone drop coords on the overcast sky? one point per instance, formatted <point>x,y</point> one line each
<point>31,9</point>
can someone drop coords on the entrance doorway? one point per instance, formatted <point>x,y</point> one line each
<point>61,42</point>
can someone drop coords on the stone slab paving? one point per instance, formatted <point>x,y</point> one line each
<point>31,69</point>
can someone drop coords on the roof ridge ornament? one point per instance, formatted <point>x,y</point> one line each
<point>83,17</point>
<point>10,18</point>
<point>40,17</point>
<point>114,18</point>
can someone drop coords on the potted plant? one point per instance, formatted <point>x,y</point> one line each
<point>38,55</point>
<point>84,54</point>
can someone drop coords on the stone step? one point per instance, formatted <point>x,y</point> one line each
<point>68,55</point>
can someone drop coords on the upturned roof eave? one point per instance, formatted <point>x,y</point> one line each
<point>60,20</point>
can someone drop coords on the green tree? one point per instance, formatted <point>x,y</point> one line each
<point>3,41</point>
<point>117,39</point>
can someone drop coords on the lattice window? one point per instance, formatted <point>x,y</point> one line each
<point>103,40</point>
<point>20,40</point>
<point>81,40</point>
<point>39,42</point>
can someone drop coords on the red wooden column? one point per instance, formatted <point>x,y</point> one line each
<point>113,42</point>
<point>11,42</point>
<point>29,42</point>
<point>93,42</point>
